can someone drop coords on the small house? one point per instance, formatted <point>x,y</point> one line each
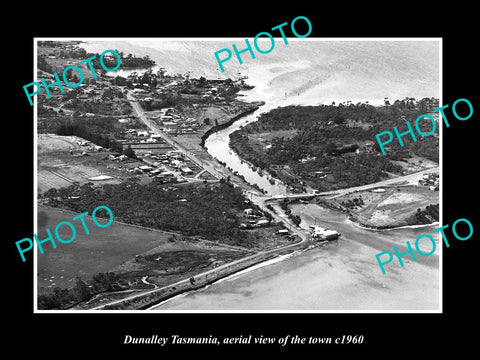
<point>262,222</point>
<point>166,111</point>
<point>176,163</point>
<point>142,133</point>
<point>145,168</point>
<point>166,174</point>
<point>186,170</point>
<point>324,234</point>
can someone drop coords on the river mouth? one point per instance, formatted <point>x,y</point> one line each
<point>343,274</point>
<point>218,146</point>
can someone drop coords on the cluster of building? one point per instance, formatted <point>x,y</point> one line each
<point>172,159</point>
<point>165,167</point>
<point>257,219</point>
<point>172,123</point>
<point>432,180</point>
<point>142,136</point>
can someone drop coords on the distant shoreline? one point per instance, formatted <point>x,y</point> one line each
<point>388,227</point>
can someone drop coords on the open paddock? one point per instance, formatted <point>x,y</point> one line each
<point>130,251</point>
<point>56,170</point>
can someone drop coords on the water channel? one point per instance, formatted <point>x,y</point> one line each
<point>341,275</point>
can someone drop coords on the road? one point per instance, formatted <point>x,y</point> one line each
<point>302,234</point>
<point>259,254</point>
<point>256,198</point>
<point>410,178</point>
<point>210,166</point>
<point>280,216</point>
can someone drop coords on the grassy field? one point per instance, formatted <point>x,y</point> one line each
<point>90,254</point>
<point>130,251</point>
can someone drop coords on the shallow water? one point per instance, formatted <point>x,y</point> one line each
<point>344,274</point>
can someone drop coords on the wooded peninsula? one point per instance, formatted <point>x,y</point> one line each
<point>330,147</point>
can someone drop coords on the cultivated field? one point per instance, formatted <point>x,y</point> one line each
<point>61,162</point>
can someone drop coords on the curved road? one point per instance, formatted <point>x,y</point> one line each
<point>410,178</point>
<point>258,199</point>
<point>303,234</point>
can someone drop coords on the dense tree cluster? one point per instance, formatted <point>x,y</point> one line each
<point>75,52</point>
<point>327,137</point>
<point>132,61</point>
<point>427,215</point>
<point>100,106</point>
<point>294,218</point>
<point>69,129</point>
<point>212,212</point>
<point>102,131</point>
<point>43,64</point>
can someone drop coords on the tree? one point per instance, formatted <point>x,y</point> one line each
<point>161,73</point>
<point>330,148</point>
<point>153,83</point>
<point>130,152</point>
<point>202,81</point>
<point>81,290</point>
<point>338,119</point>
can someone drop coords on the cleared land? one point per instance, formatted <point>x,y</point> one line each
<point>130,251</point>
<point>396,206</point>
<point>58,168</point>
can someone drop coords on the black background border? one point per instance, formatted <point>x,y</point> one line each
<point>94,334</point>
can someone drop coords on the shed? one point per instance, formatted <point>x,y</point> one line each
<point>186,170</point>
<point>262,222</point>
<point>100,177</point>
<point>248,211</point>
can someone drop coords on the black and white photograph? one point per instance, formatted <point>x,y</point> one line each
<point>222,179</point>
<point>261,187</point>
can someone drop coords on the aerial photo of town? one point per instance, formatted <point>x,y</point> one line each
<point>261,188</point>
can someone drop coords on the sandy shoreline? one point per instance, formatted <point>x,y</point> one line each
<point>338,277</point>
<point>361,226</point>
